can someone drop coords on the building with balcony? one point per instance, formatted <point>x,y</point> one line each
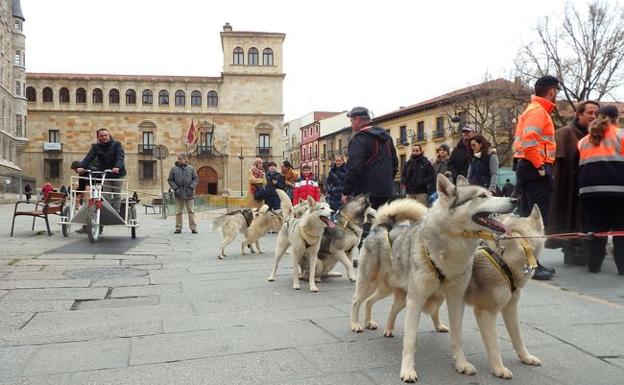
<point>214,120</point>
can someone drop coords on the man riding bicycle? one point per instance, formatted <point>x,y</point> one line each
<point>110,155</point>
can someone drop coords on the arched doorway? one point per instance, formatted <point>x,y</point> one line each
<point>208,179</point>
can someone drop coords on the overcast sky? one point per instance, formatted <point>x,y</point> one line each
<point>337,54</point>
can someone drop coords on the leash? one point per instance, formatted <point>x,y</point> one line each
<point>575,235</point>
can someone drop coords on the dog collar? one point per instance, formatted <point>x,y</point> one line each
<point>528,251</point>
<point>479,234</point>
<point>436,271</point>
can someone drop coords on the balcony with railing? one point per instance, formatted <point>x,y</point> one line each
<point>146,148</point>
<point>205,150</point>
<point>264,151</point>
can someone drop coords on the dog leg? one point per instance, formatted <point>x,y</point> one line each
<point>415,304</point>
<point>228,237</point>
<point>398,305</point>
<point>364,288</point>
<point>382,292</point>
<point>433,305</point>
<point>510,316</point>
<point>487,327</point>
<point>258,247</point>
<point>348,264</point>
<point>243,245</point>
<point>455,305</point>
<point>313,255</point>
<point>280,248</point>
<point>297,253</point>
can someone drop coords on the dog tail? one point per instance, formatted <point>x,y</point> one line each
<point>285,204</point>
<point>400,210</point>
<point>219,221</point>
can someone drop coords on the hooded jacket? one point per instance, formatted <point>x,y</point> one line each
<point>183,179</point>
<point>109,155</point>
<point>418,175</point>
<point>372,164</point>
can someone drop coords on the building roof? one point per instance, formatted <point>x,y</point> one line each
<point>17,10</point>
<point>444,99</point>
<point>320,115</point>
<point>158,78</point>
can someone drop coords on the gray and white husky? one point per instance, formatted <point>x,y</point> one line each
<point>302,235</point>
<point>253,224</point>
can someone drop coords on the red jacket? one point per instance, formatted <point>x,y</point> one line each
<point>305,187</point>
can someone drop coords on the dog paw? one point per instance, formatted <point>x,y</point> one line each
<point>314,289</point>
<point>371,325</point>
<point>271,279</point>
<point>352,279</point>
<point>356,327</point>
<point>409,374</point>
<point>389,333</point>
<point>441,328</point>
<point>296,287</point>
<point>222,256</point>
<point>317,279</point>
<point>465,368</point>
<point>502,372</point>
<point>530,359</point>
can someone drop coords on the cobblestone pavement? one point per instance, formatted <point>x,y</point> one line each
<point>162,309</point>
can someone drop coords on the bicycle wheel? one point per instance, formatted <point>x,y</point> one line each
<point>132,214</point>
<point>66,227</point>
<point>93,227</point>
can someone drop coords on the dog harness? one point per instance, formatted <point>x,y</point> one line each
<point>436,271</point>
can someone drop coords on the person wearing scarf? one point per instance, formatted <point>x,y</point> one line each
<point>256,180</point>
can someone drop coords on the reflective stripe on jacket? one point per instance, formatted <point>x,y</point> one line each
<point>535,133</point>
<point>601,167</point>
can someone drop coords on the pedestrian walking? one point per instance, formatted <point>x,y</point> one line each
<point>508,188</point>
<point>334,184</point>
<point>28,192</point>
<point>534,151</point>
<point>601,186</point>
<point>183,179</point>
<point>257,181</point>
<point>274,181</point>
<point>290,177</point>
<point>460,157</point>
<point>372,162</point>
<point>418,175</point>
<point>306,186</point>
<point>483,167</point>
<point>565,211</point>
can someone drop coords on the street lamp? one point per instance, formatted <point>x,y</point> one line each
<point>241,157</point>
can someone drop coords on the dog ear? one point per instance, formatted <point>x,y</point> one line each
<point>462,181</point>
<point>445,187</point>
<point>311,201</point>
<point>323,199</point>
<point>263,209</point>
<point>536,214</point>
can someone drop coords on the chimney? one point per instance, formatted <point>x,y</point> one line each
<point>227,27</point>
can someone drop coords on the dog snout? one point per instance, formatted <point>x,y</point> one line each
<point>514,201</point>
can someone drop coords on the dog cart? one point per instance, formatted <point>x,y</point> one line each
<point>89,208</point>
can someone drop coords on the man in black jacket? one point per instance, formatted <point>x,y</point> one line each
<point>460,157</point>
<point>372,162</point>
<point>110,156</point>
<point>417,175</point>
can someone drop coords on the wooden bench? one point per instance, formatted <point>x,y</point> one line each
<point>53,203</point>
<point>156,204</point>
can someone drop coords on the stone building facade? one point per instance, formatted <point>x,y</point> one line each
<point>222,122</point>
<point>12,92</point>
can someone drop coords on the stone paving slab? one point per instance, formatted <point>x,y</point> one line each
<point>14,359</point>
<point>13,321</point>
<point>599,343</point>
<point>118,302</point>
<point>44,283</point>
<point>116,282</point>
<point>33,306</point>
<point>30,275</point>
<point>55,294</point>
<point>141,291</point>
<point>48,379</point>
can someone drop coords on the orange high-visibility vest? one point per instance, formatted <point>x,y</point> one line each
<point>601,167</point>
<point>611,147</point>
<point>535,133</point>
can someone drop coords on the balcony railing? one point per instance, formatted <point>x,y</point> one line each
<point>146,148</point>
<point>263,151</point>
<point>329,155</point>
<point>52,146</point>
<point>437,134</point>
<point>205,150</point>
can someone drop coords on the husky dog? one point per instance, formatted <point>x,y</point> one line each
<point>251,223</point>
<point>439,256</point>
<point>378,275</point>
<point>496,287</point>
<point>303,235</point>
<point>339,244</point>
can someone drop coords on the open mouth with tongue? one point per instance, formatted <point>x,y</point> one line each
<point>486,219</point>
<point>328,222</point>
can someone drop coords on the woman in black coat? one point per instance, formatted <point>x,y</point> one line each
<point>335,182</point>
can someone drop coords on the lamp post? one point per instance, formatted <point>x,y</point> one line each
<point>241,157</point>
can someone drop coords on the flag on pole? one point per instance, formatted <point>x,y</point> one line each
<point>191,136</point>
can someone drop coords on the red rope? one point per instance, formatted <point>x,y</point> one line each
<point>577,235</point>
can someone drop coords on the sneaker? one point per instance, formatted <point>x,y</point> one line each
<point>177,231</point>
<point>541,274</point>
<point>551,270</point>
<point>194,231</point>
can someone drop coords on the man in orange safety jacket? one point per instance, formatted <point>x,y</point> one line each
<point>534,154</point>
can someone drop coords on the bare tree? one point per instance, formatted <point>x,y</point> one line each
<point>493,107</point>
<point>584,50</point>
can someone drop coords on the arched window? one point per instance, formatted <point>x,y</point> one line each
<point>213,99</point>
<point>113,96</point>
<point>239,56</point>
<point>81,96</point>
<point>98,96</point>
<point>148,97</point>
<point>163,98</point>
<point>267,57</point>
<point>196,98</point>
<point>252,56</point>
<point>31,94</point>
<point>180,98</point>
<point>48,95</point>
<point>130,96</point>
<point>64,95</point>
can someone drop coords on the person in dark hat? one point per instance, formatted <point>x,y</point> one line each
<point>372,162</point>
<point>461,155</point>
